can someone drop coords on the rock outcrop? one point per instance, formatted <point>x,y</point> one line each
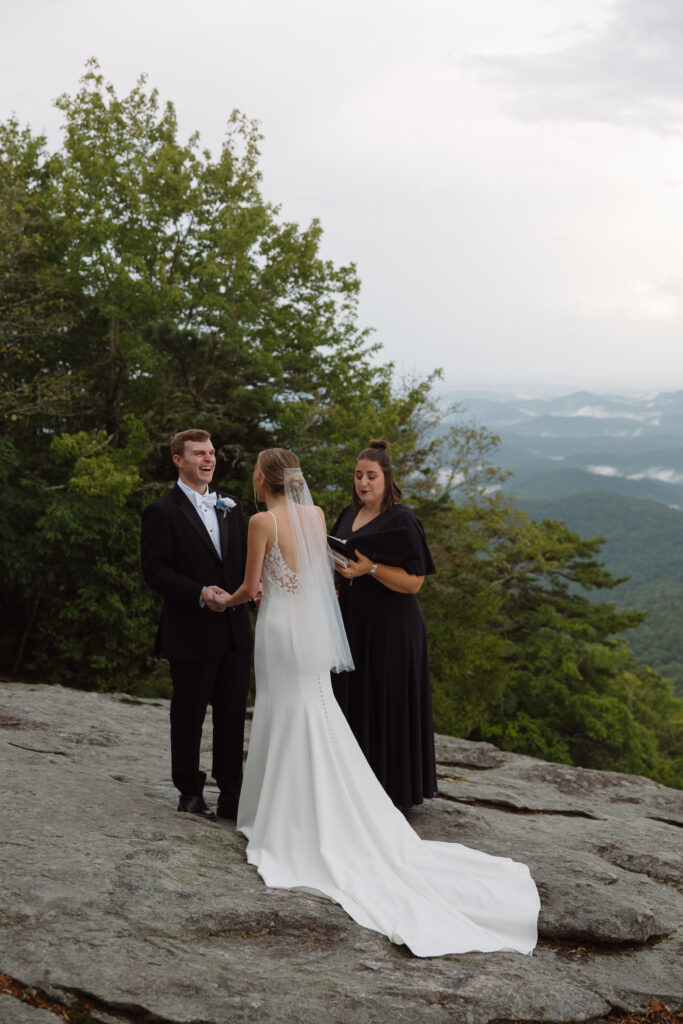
<point>110,896</point>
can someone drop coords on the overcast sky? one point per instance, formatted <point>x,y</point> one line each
<point>507,177</point>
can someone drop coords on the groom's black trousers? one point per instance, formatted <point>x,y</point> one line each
<point>224,684</point>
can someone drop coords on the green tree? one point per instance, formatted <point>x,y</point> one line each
<point>198,301</point>
<point>158,289</point>
<point>34,300</point>
<point>75,607</point>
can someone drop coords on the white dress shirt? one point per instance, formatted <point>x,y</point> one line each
<point>207,514</point>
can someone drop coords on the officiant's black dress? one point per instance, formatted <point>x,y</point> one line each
<point>387,699</point>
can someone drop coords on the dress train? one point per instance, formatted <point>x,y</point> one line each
<point>317,820</point>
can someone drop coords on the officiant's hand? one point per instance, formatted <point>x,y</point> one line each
<point>361,567</point>
<point>393,577</point>
<point>215,598</point>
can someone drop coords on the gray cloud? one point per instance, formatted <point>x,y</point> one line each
<point>630,72</point>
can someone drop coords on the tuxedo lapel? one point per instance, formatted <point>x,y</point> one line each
<point>191,514</point>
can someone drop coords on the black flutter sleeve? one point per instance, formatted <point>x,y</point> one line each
<point>423,565</point>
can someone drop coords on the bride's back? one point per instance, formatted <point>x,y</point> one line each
<point>282,532</point>
<point>310,534</point>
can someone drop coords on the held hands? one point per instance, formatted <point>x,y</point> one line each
<point>361,567</point>
<point>215,598</point>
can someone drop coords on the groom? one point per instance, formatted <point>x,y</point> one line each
<point>193,549</point>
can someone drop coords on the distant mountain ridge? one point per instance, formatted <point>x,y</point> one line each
<point>580,414</point>
<point>557,446</point>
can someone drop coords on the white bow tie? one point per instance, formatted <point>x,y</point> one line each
<point>209,499</point>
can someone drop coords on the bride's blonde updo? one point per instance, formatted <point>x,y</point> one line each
<point>273,462</point>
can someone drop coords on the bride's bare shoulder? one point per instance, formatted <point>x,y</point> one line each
<point>260,521</point>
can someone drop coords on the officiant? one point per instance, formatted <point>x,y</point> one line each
<point>387,698</point>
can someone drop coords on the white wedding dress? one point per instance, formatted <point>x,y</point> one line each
<point>317,819</point>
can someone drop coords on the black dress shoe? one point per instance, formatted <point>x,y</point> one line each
<point>227,807</point>
<point>195,805</point>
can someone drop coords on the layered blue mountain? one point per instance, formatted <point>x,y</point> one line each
<point>572,444</point>
<point>609,466</point>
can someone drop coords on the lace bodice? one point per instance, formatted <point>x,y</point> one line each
<point>277,570</point>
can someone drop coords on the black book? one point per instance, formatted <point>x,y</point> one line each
<point>388,547</point>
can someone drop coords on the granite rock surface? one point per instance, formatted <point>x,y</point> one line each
<point>109,896</point>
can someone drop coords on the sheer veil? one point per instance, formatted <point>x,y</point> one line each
<point>321,642</point>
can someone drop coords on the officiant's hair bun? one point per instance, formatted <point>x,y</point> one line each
<point>273,462</point>
<point>379,452</point>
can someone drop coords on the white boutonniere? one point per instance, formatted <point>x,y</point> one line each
<point>225,505</point>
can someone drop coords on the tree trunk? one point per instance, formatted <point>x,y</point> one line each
<point>25,635</point>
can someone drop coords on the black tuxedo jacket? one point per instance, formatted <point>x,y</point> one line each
<point>178,561</point>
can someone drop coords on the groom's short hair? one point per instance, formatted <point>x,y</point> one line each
<point>178,442</point>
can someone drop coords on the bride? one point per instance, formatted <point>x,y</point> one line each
<point>315,816</point>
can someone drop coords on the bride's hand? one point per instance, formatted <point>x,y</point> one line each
<point>361,567</point>
<point>215,598</point>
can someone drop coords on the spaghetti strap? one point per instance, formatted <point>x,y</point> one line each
<point>275,518</point>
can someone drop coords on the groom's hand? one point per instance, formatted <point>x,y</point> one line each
<point>215,598</point>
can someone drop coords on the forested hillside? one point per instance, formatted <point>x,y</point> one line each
<point>528,484</point>
<point>643,541</point>
<point>147,287</point>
